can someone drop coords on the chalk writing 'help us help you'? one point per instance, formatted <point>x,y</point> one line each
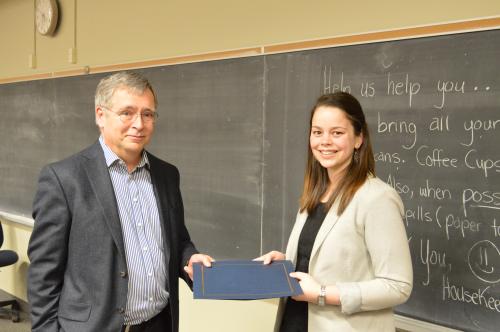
<point>415,134</point>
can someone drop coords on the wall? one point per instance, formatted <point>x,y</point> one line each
<point>111,32</point>
<point>220,316</point>
<point>13,278</point>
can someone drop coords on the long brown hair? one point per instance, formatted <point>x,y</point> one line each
<point>316,180</point>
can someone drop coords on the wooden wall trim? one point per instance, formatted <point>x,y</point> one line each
<point>140,64</point>
<point>404,33</point>
<point>181,59</point>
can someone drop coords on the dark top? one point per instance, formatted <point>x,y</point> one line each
<point>295,315</point>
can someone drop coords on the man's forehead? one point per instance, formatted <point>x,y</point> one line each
<point>130,90</point>
<point>123,91</point>
<point>120,98</point>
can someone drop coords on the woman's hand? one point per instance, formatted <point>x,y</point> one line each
<point>309,286</point>
<point>271,256</point>
<point>311,289</point>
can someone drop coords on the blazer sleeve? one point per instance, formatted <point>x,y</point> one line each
<point>47,251</point>
<point>387,245</point>
<point>187,250</point>
<point>186,246</point>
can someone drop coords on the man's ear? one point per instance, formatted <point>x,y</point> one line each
<point>99,116</point>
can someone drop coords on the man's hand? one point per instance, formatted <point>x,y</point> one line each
<point>197,258</point>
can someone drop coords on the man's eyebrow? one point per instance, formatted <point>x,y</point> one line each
<point>134,108</point>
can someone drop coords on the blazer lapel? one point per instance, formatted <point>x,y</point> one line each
<point>330,221</point>
<point>160,190</point>
<point>293,241</point>
<point>98,175</point>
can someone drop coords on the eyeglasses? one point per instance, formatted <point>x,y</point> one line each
<point>128,117</point>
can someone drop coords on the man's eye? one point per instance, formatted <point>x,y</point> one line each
<point>125,113</point>
<point>148,115</point>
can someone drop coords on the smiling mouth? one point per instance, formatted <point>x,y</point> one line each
<point>327,153</point>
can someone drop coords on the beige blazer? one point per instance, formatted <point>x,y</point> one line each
<point>365,253</point>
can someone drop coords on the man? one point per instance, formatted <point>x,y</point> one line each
<point>109,241</point>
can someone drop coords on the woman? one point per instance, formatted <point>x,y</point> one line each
<point>348,243</point>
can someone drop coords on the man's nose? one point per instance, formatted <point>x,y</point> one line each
<point>138,122</point>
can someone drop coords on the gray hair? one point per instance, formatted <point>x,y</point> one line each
<point>129,80</point>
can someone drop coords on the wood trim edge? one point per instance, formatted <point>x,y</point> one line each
<point>16,219</point>
<point>415,325</point>
<point>403,33</point>
<point>220,55</point>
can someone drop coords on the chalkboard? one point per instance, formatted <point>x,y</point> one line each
<point>237,130</point>
<point>433,106</point>
<point>210,127</point>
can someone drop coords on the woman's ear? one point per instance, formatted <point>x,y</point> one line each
<point>359,141</point>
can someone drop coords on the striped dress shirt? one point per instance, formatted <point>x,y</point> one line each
<point>140,222</point>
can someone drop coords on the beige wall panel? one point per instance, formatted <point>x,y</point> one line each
<point>16,36</point>
<point>13,278</point>
<point>52,51</point>
<point>224,316</point>
<point>116,31</point>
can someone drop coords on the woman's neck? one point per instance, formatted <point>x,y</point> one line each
<point>335,178</point>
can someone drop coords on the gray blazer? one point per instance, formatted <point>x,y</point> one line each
<point>77,279</point>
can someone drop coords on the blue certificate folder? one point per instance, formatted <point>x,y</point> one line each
<point>244,280</point>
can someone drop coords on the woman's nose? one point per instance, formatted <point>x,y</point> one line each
<point>326,139</point>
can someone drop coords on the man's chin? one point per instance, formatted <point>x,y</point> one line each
<point>134,147</point>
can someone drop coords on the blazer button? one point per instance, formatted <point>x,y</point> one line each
<point>121,310</point>
<point>123,274</point>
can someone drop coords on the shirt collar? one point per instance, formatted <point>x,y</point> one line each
<point>112,158</point>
